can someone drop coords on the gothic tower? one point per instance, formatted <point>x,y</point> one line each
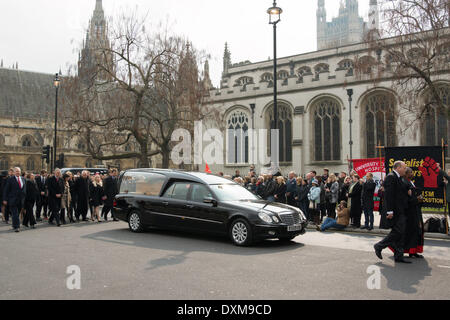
<point>226,59</point>
<point>95,47</point>
<point>321,25</point>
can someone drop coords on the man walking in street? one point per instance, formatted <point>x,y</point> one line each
<point>14,196</point>
<point>55,192</point>
<point>395,204</point>
<point>82,192</point>
<point>42,202</point>
<point>111,190</point>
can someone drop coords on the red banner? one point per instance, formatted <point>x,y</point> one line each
<point>377,168</point>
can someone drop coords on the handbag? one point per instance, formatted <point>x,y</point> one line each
<point>312,205</point>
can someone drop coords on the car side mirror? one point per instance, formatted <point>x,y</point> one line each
<point>210,201</point>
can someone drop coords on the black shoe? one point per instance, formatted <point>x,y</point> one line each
<point>402,261</point>
<point>25,225</point>
<point>417,256</point>
<point>17,230</point>
<point>362,228</point>
<point>59,225</point>
<point>378,252</point>
<point>33,227</point>
<point>115,220</point>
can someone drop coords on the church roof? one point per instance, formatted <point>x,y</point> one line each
<point>26,94</point>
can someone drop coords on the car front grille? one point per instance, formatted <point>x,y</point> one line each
<point>290,218</point>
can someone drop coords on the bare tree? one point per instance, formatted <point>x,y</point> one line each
<point>413,50</point>
<point>142,87</point>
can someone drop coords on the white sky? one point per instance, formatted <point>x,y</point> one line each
<point>44,35</point>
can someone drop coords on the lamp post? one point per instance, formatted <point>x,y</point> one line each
<point>253,107</point>
<point>350,95</point>
<point>275,17</point>
<point>56,83</point>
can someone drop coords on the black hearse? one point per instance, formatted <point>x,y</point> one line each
<point>202,202</point>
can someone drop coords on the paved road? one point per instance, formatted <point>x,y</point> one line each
<point>117,264</point>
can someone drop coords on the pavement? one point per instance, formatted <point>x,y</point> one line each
<point>382,232</point>
<point>167,265</point>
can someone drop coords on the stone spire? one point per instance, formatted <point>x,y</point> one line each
<point>321,24</point>
<point>207,83</point>
<point>1,64</point>
<point>226,59</point>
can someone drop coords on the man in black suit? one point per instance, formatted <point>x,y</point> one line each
<point>395,204</point>
<point>14,196</point>
<point>55,192</point>
<point>111,190</point>
<point>42,202</point>
<point>82,190</point>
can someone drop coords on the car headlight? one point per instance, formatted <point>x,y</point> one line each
<point>275,219</point>
<point>265,217</point>
<point>302,215</point>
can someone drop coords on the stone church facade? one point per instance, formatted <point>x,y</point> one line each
<point>314,109</point>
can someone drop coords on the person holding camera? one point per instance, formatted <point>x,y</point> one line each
<point>343,219</point>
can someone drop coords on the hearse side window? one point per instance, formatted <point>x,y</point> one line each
<point>200,192</point>
<point>142,183</point>
<point>180,190</point>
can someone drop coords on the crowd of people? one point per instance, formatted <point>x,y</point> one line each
<point>339,197</point>
<point>27,198</point>
<point>339,201</point>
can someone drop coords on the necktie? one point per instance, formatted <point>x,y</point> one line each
<point>20,182</point>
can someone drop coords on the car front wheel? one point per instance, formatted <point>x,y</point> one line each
<point>241,233</point>
<point>135,222</point>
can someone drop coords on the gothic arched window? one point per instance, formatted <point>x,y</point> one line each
<point>304,71</point>
<point>31,164</point>
<point>4,164</point>
<point>379,110</point>
<point>81,146</point>
<point>27,141</point>
<point>345,64</point>
<point>321,67</point>
<point>285,123</point>
<point>267,77</point>
<point>237,134</point>
<point>243,81</point>
<point>283,74</point>
<point>327,130</point>
<point>436,119</point>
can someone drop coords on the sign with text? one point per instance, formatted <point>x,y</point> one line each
<point>377,168</point>
<point>423,161</point>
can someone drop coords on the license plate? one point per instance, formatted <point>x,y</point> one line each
<point>295,228</point>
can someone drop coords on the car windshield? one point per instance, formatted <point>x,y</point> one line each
<point>232,192</point>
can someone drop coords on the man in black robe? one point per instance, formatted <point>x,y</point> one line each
<point>414,238</point>
<point>395,202</point>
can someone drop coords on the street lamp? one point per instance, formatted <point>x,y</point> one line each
<point>275,17</point>
<point>56,83</point>
<point>350,95</point>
